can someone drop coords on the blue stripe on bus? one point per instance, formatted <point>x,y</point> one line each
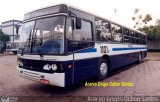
<point>88,50</point>
<point>136,48</point>
<point>113,49</point>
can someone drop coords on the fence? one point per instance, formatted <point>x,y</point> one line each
<point>154,45</point>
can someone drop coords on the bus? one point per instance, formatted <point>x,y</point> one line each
<point>62,45</point>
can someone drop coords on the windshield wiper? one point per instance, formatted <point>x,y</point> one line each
<point>40,54</point>
<point>26,42</point>
<point>33,40</point>
<point>33,44</point>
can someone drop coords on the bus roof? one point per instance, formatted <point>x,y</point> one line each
<point>95,15</point>
<point>63,8</point>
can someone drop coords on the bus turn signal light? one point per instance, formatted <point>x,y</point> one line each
<point>70,66</point>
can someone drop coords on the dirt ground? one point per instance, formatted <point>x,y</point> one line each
<point>144,77</point>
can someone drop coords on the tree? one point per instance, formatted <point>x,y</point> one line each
<point>4,37</point>
<point>147,18</point>
<point>153,32</point>
<point>158,22</point>
<point>136,10</point>
<point>139,20</point>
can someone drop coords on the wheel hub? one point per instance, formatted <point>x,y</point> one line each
<point>103,69</point>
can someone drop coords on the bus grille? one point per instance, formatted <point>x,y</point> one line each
<point>37,69</point>
<point>31,75</point>
<point>35,65</point>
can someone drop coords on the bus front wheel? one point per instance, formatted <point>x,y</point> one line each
<point>102,69</point>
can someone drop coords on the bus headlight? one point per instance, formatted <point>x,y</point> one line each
<point>54,67</point>
<point>50,67</point>
<point>20,63</point>
<point>47,67</point>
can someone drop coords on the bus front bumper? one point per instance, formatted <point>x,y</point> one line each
<point>56,79</point>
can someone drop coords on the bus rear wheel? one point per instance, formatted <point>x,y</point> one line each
<point>102,69</point>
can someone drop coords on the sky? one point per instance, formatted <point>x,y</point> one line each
<point>15,9</point>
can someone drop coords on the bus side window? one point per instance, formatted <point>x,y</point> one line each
<point>69,29</point>
<point>126,32</point>
<point>116,33</point>
<point>80,38</point>
<point>103,30</point>
<point>137,34</point>
<point>133,40</point>
<point>126,39</point>
<point>126,35</point>
<point>140,36</point>
<point>144,39</point>
<point>83,34</point>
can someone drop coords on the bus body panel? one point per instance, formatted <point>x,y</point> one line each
<point>57,79</point>
<point>85,68</point>
<point>121,54</point>
<point>85,61</point>
<point>34,63</point>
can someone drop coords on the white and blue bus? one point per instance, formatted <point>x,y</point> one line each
<point>62,45</point>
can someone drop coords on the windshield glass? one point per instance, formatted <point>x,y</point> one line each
<point>43,36</point>
<point>25,32</point>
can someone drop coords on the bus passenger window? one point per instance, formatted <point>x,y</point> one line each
<point>116,33</point>
<point>81,38</point>
<point>126,39</point>
<point>103,31</point>
<point>136,34</point>
<point>126,32</point>
<point>133,40</point>
<point>83,34</point>
<point>132,34</point>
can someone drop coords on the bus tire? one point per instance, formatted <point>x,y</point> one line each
<point>102,69</point>
<point>139,58</point>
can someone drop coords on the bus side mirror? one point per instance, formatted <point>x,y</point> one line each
<point>78,23</point>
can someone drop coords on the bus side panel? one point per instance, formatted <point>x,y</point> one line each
<point>116,61</point>
<point>135,56</point>
<point>131,58</point>
<point>85,69</point>
<point>68,72</point>
<point>122,60</point>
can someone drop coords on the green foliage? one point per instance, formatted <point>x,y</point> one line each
<point>158,22</point>
<point>147,18</point>
<point>153,32</point>
<point>141,23</point>
<point>4,37</point>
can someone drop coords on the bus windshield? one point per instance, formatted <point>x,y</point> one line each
<point>43,36</point>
